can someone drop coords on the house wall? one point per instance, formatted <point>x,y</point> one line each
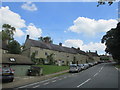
<point>26,50</point>
<point>67,58</point>
<point>96,58</point>
<point>20,70</point>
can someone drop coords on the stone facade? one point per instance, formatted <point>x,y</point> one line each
<point>63,55</point>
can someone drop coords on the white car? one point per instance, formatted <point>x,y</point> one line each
<point>86,66</point>
<point>81,66</point>
<point>74,68</point>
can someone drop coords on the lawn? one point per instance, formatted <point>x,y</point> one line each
<point>49,69</point>
<point>118,66</point>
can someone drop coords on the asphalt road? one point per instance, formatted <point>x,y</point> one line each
<point>103,75</point>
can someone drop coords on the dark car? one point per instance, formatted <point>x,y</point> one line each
<point>6,74</point>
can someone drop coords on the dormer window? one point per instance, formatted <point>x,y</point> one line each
<point>12,59</point>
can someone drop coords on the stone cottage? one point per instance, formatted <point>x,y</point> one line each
<point>62,55</point>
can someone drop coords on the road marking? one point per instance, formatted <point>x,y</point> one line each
<point>101,68</point>
<point>96,74</point>
<point>28,85</point>
<point>116,68</point>
<point>65,77</point>
<point>72,74</point>
<point>60,79</point>
<point>54,81</point>
<point>84,82</point>
<point>25,78</point>
<point>37,82</point>
<point>46,83</point>
<point>36,86</point>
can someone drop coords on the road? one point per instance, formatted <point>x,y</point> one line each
<point>103,75</point>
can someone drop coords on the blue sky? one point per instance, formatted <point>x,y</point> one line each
<point>54,19</point>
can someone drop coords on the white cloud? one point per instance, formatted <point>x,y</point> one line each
<point>15,20</point>
<point>91,26</point>
<point>33,31</point>
<point>9,17</point>
<point>85,47</point>
<point>18,33</point>
<point>29,6</point>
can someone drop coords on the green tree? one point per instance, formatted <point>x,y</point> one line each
<point>7,32</point>
<point>45,38</point>
<point>33,59</point>
<point>103,2</point>
<point>14,47</point>
<point>50,58</point>
<point>112,42</point>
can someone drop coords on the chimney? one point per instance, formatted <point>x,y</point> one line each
<point>46,40</point>
<point>96,52</point>
<point>27,37</point>
<point>78,48</point>
<point>60,44</point>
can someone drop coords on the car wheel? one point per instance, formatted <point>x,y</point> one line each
<point>11,80</point>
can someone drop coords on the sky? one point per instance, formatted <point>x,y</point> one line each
<point>74,24</point>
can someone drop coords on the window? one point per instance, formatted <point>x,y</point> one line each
<point>62,61</point>
<point>46,54</point>
<point>36,52</point>
<point>12,59</point>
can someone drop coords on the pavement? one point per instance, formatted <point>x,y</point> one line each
<point>100,76</point>
<point>23,80</point>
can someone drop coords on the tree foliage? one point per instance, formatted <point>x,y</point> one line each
<point>43,39</point>
<point>7,32</point>
<point>50,59</point>
<point>103,2</point>
<point>14,47</point>
<point>112,42</point>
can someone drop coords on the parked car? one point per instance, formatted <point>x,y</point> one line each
<point>86,66</point>
<point>101,61</point>
<point>95,63</point>
<point>90,64</point>
<point>81,66</point>
<point>74,68</point>
<point>6,74</point>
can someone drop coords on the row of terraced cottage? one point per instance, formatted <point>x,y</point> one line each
<point>61,55</point>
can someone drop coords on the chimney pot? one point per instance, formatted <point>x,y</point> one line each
<point>60,44</point>
<point>27,36</point>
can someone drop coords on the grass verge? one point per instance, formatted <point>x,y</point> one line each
<point>118,66</point>
<point>49,69</point>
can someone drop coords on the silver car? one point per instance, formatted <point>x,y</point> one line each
<point>86,66</point>
<point>74,68</point>
<point>81,66</point>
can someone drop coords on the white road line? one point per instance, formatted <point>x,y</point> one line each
<point>36,86</point>
<point>72,74</point>
<point>65,77</point>
<point>84,82</point>
<point>54,81</point>
<point>96,74</point>
<point>37,82</point>
<point>46,83</point>
<point>28,85</point>
<point>60,79</point>
<point>116,68</point>
<point>101,68</point>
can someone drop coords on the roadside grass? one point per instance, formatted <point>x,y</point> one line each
<point>118,66</point>
<point>49,69</point>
